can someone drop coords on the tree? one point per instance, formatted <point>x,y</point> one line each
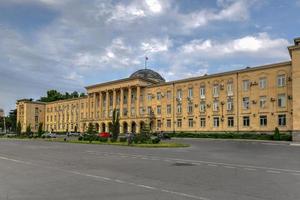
<point>115,128</point>
<point>19,128</point>
<point>75,129</point>
<point>74,94</point>
<point>145,133</point>
<point>82,94</point>
<point>28,130</point>
<point>276,135</point>
<point>40,130</point>
<point>91,129</point>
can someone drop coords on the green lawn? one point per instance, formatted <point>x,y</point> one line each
<point>160,145</point>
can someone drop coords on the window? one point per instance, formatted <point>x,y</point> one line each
<point>169,123</point>
<point>202,122</point>
<point>190,108</point>
<point>169,96</point>
<point>149,110</point>
<point>179,94</point>
<point>262,83</point>
<point>158,110</point>
<point>179,108</point>
<point>230,105</point>
<point>230,121</point>
<point>191,123</point>
<point>229,89</point>
<point>262,101</point>
<point>246,85</point>
<point>246,103</point>
<point>263,120</point>
<point>158,96</point>
<point>216,122</point>
<point>282,120</point>
<point>190,93</point>
<point>281,100</point>
<point>159,124</point>
<point>216,106</point>
<point>202,106</point>
<point>179,123</point>
<point>216,91</point>
<point>169,110</point>
<point>202,92</point>
<point>246,121</point>
<point>149,97</point>
<point>281,80</point>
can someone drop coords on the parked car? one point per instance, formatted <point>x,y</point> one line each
<point>73,134</point>
<point>49,135</point>
<point>104,135</point>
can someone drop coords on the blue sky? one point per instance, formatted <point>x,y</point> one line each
<point>68,44</point>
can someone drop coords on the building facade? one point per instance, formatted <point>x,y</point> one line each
<point>255,99</point>
<point>1,113</point>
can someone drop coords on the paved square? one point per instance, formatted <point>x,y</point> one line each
<point>208,170</point>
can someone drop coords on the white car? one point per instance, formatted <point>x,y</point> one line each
<point>49,135</point>
<point>73,134</point>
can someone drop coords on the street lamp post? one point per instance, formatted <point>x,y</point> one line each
<point>4,124</point>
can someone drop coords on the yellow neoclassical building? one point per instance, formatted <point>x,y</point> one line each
<point>255,99</point>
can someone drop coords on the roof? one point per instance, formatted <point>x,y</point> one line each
<point>148,74</point>
<point>119,81</point>
<point>247,69</point>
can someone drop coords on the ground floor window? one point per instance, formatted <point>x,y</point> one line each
<point>246,121</point>
<point>263,120</point>
<point>202,122</point>
<point>169,122</point>
<point>282,120</point>
<point>191,123</point>
<point>216,122</point>
<point>158,123</point>
<point>230,121</point>
<point>179,123</point>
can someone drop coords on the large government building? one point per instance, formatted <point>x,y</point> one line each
<point>255,99</point>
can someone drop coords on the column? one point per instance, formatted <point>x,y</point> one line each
<point>114,98</point>
<point>94,108</point>
<point>121,102</point>
<point>138,94</point>
<point>89,106</point>
<point>129,101</point>
<point>107,104</point>
<point>100,104</point>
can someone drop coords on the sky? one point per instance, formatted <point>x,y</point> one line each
<point>69,44</point>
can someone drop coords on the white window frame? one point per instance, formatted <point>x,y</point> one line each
<point>262,102</point>
<point>263,83</point>
<point>246,103</point>
<point>202,92</point>
<point>246,85</point>
<point>216,106</point>
<point>229,89</point>
<point>216,90</point>
<point>281,101</point>
<point>202,106</point>
<point>281,80</point>
<point>216,121</point>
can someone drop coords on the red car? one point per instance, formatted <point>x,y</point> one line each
<point>104,135</point>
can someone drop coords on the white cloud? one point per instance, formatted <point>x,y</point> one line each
<point>154,5</point>
<point>156,45</point>
<point>260,45</point>
<point>232,11</point>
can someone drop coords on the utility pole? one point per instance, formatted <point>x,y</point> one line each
<point>4,124</point>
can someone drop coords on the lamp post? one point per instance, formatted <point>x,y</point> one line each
<point>4,124</point>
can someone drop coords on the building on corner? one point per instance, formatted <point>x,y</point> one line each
<point>254,99</point>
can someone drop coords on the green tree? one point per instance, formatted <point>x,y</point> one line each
<point>91,129</point>
<point>74,94</point>
<point>28,130</point>
<point>19,128</point>
<point>115,128</point>
<point>276,135</point>
<point>145,134</point>
<point>82,94</point>
<point>40,130</point>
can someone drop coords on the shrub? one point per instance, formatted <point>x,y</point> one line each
<point>113,140</point>
<point>101,139</point>
<point>155,140</point>
<point>123,139</point>
<point>80,138</point>
<point>276,135</point>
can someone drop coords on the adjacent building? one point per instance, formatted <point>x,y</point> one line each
<point>1,113</point>
<point>253,99</point>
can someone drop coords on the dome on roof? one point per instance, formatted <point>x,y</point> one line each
<point>148,74</point>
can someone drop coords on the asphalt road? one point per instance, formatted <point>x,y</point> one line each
<point>208,170</point>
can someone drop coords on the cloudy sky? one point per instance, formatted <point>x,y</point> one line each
<point>69,44</point>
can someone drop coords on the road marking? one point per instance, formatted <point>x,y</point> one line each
<point>211,165</point>
<point>250,169</point>
<point>246,167</point>
<point>108,179</point>
<point>273,172</point>
<point>230,167</point>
